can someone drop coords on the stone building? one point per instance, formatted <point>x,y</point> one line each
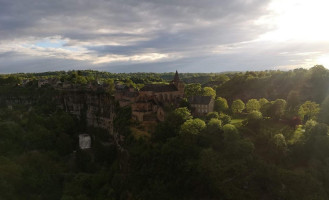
<point>165,93</point>
<point>125,95</point>
<point>153,97</point>
<point>201,105</point>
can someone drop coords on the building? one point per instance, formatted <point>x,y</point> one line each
<point>152,98</point>
<point>201,105</point>
<point>125,95</point>
<point>165,93</point>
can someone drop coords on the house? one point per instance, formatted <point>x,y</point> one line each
<point>125,95</point>
<point>201,105</point>
<point>147,109</point>
<point>165,93</point>
<point>151,99</point>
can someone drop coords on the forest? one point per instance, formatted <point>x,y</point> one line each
<point>266,139</point>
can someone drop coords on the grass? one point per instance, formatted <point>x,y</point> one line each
<point>237,122</point>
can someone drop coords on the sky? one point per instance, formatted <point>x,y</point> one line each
<point>163,35</point>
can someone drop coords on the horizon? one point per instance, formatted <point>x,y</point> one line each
<point>148,72</point>
<point>161,36</point>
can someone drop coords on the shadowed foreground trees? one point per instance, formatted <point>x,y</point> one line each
<point>254,154</point>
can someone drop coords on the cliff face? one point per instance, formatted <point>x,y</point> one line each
<point>95,108</point>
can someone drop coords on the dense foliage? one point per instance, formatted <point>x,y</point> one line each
<point>267,139</point>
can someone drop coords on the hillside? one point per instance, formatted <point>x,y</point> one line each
<point>267,138</point>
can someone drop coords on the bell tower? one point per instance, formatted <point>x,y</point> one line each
<point>178,83</point>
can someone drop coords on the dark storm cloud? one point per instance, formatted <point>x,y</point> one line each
<point>79,17</point>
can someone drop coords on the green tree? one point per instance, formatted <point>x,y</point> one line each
<point>309,125</point>
<point>193,89</point>
<point>262,102</point>
<point>277,108</point>
<point>293,100</point>
<point>226,119</point>
<point>212,115</point>
<point>252,105</point>
<point>221,78</point>
<point>81,80</point>
<point>279,141</point>
<point>181,114</point>
<point>178,117</point>
<point>109,85</point>
<point>237,106</point>
<point>230,133</point>
<point>130,83</point>
<point>208,91</point>
<point>254,116</point>
<point>171,126</point>
<point>214,125</point>
<point>185,103</point>
<point>220,104</point>
<point>192,126</point>
<point>324,111</point>
<point>280,146</point>
<point>308,110</point>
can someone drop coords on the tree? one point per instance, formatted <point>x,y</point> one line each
<point>262,102</point>
<point>324,111</point>
<point>81,80</point>
<point>208,91</point>
<point>226,119</point>
<point>266,108</point>
<point>110,85</point>
<point>279,141</point>
<point>230,133</point>
<point>308,110</point>
<point>319,81</point>
<point>214,125</point>
<point>252,105</point>
<point>310,124</point>
<point>171,126</point>
<point>212,115</point>
<point>237,106</point>
<point>221,104</point>
<point>293,100</point>
<point>130,83</point>
<point>316,129</point>
<point>185,103</point>
<point>179,116</point>
<point>192,126</point>
<point>221,78</point>
<point>277,109</point>
<point>280,145</point>
<point>254,116</point>
<point>193,89</point>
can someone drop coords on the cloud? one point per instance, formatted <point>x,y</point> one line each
<point>130,35</point>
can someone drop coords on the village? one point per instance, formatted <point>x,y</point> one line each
<point>149,103</point>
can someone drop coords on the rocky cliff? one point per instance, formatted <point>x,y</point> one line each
<point>95,107</point>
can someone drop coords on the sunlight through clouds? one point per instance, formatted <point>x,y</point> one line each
<point>297,20</point>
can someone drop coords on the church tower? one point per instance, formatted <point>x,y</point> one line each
<point>178,83</point>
